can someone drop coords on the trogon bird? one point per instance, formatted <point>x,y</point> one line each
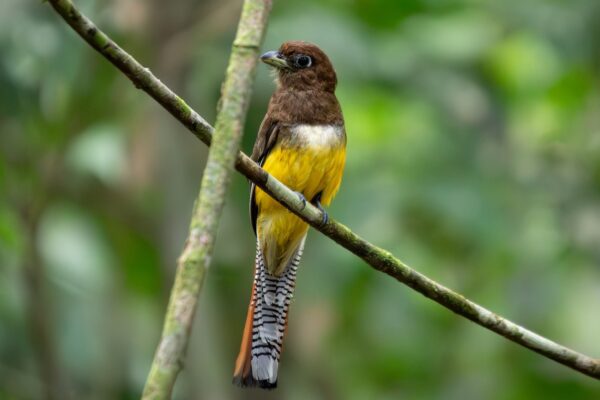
<point>302,143</point>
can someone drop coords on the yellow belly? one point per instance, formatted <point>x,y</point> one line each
<point>307,170</point>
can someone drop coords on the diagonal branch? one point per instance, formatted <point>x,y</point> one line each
<point>376,257</point>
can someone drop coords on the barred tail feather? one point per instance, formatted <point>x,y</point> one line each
<point>242,375</point>
<point>258,361</point>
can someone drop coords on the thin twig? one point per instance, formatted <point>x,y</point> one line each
<point>376,257</point>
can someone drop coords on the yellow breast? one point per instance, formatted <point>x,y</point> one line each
<point>309,160</point>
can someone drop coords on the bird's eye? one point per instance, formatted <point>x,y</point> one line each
<point>303,61</point>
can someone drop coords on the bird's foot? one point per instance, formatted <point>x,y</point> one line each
<point>325,217</point>
<point>317,203</point>
<point>302,199</point>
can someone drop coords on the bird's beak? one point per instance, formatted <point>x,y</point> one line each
<point>275,59</point>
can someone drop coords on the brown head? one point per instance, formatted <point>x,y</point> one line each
<point>302,66</point>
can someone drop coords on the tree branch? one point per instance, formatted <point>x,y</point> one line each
<point>378,258</point>
<point>196,255</point>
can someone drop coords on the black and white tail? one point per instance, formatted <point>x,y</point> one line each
<point>266,323</point>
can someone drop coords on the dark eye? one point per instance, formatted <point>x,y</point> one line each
<point>303,61</point>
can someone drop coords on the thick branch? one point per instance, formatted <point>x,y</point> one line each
<point>196,256</point>
<point>376,257</point>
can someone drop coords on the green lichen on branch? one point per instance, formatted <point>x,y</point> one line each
<point>141,77</point>
<point>379,259</point>
<point>196,256</point>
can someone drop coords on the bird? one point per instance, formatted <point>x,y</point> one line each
<point>301,142</point>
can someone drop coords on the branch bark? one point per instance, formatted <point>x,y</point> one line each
<point>196,256</point>
<point>378,258</point>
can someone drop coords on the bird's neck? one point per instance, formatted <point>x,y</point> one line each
<point>314,107</point>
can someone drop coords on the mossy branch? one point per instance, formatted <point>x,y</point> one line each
<point>196,256</point>
<point>378,258</point>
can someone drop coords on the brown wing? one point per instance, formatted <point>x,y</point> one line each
<point>265,140</point>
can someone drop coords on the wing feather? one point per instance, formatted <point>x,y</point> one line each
<point>265,141</point>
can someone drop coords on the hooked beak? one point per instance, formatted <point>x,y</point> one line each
<point>275,59</point>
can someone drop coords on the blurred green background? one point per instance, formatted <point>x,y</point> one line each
<point>473,155</point>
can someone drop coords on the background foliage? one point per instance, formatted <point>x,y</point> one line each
<point>474,155</point>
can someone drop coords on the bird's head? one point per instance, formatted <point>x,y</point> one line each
<point>302,66</point>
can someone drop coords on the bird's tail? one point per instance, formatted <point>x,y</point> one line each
<point>266,324</point>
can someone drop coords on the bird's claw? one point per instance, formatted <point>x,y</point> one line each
<point>325,217</point>
<point>302,199</point>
